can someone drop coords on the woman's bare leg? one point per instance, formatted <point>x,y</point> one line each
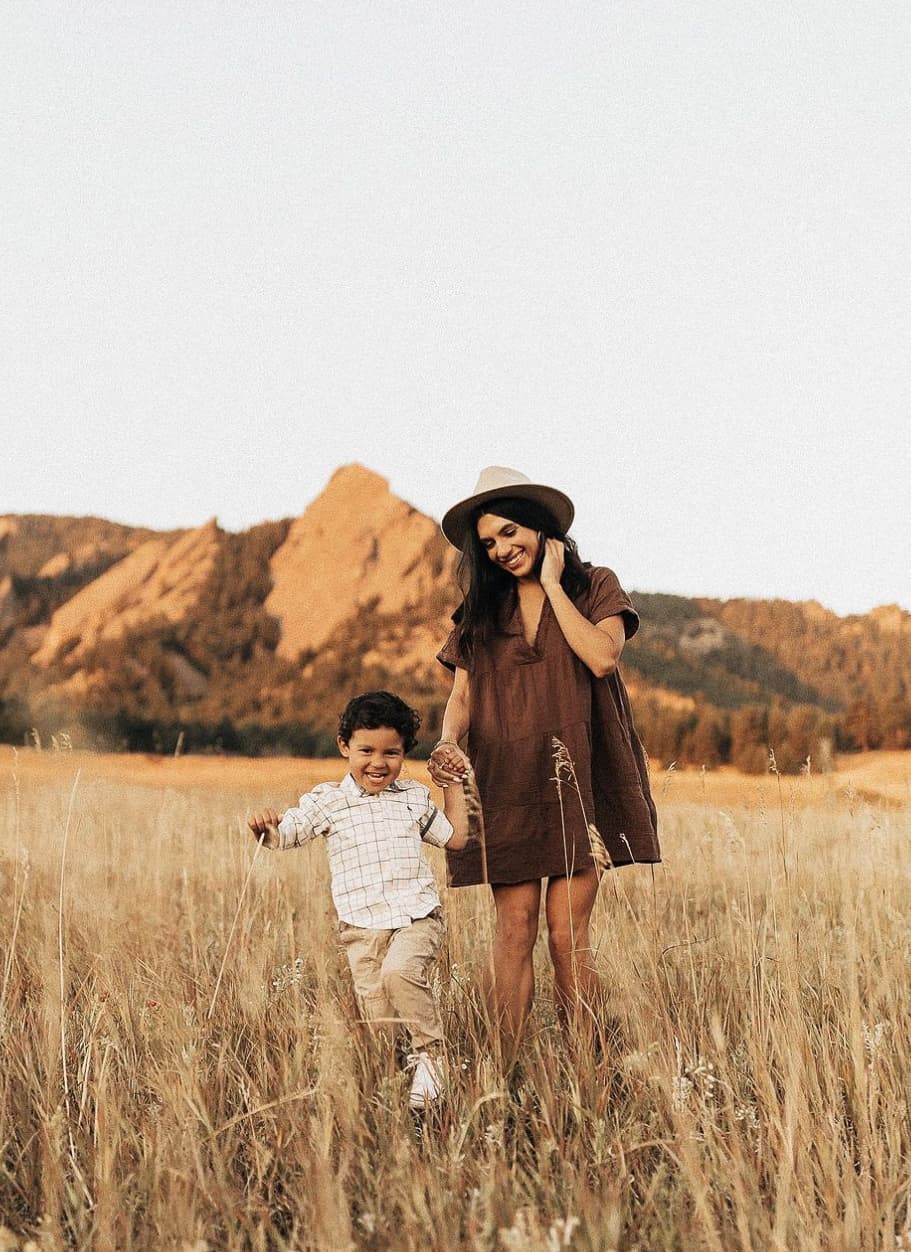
<point>577,988</point>
<point>511,978</point>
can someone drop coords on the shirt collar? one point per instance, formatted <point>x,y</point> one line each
<point>353,788</point>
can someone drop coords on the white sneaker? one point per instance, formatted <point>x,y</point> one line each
<point>427,1083</point>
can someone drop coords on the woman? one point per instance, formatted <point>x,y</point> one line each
<point>534,656</point>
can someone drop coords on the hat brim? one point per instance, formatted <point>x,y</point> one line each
<point>456,522</point>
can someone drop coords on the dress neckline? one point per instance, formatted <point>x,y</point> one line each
<point>515,625</point>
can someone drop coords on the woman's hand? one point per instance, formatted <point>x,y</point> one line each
<point>447,763</point>
<point>552,565</point>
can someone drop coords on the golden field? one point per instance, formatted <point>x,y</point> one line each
<point>183,1067</point>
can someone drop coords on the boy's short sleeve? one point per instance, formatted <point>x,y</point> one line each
<point>606,598</point>
<point>304,822</point>
<point>436,827</point>
<point>449,655</point>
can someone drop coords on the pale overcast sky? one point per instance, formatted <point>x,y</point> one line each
<point>657,254</point>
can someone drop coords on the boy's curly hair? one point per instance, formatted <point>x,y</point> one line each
<point>374,709</point>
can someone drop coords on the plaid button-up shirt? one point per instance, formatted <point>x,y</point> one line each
<point>380,876</point>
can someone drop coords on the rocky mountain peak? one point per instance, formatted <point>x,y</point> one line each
<point>356,544</point>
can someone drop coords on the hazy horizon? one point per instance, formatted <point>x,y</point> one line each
<point>697,594</point>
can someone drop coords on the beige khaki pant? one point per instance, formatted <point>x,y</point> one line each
<point>391,970</point>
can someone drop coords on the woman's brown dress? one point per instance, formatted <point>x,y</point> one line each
<point>523,698</point>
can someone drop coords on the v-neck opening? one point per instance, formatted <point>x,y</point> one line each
<point>536,637</point>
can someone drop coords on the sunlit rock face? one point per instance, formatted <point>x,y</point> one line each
<point>162,580</point>
<point>356,545</point>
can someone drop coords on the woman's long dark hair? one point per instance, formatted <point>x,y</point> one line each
<point>489,591</point>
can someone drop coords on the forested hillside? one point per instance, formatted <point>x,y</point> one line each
<point>129,638</point>
<point>727,680</point>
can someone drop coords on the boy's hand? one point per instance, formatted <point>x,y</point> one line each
<point>447,764</point>
<point>266,823</point>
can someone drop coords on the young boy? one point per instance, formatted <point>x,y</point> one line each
<point>390,918</point>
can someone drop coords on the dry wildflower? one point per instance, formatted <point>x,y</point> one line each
<point>519,1236</point>
<point>668,776</point>
<point>243,892</point>
<point>696,1077</point>
<point>733,839</point>
<point>681,1090</point>
<point>621,835</point>
<point>748,1114</point>
<point>289,975</point>
<point>526,1233</point>
<point>561,1234</point>
<point>436,987</point>
<point>563,761</point>
<point>874,1037</point>
<point>600,854</point>
<point>641,1061</point>
<point>473,809</point>
<point>565,772</point>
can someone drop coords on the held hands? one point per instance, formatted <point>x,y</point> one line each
<point>266,823</point>
<point>552,565</point>
<point>447,763</point>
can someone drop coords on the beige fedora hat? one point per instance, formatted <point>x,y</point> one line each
<point>499,482</point>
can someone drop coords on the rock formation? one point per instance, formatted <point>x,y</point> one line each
<point>356,545</point>
<point>161,580</point>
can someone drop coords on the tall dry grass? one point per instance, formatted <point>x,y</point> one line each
<point>754,1094</point>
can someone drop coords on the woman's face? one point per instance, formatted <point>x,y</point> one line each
<point>509,545</point>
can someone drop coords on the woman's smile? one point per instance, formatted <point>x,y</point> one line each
<point>509,545</point>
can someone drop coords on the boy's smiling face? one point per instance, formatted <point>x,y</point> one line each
<point>375,757</point>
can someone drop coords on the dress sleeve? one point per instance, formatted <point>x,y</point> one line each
<point>606,598</point>
<point>449,655</point>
